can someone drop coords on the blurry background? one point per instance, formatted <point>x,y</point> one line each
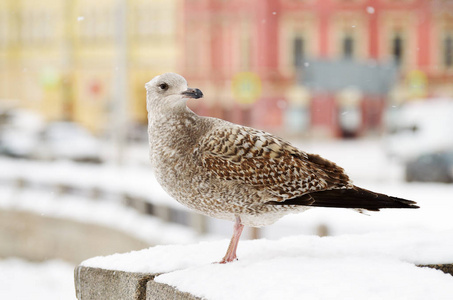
<point>365,83</point>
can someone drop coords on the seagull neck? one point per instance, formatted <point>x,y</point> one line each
<point>162,116</point>
<point>173,136</point>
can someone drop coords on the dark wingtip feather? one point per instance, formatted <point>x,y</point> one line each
<point>404,203</point>
<point>349,198</point>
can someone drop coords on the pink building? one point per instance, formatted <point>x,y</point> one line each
<point>273,39</point>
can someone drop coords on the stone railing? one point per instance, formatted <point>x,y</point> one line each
<point>264,266</point>
<point>96,283</point>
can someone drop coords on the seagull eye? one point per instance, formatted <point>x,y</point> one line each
<point>163,86</point>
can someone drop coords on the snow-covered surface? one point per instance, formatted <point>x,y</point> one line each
<point>313,278</point>
<point>22,280</point>
<point>412,246</point>
<point>366,266</point>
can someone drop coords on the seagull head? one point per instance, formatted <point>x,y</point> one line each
<point>169,90</point>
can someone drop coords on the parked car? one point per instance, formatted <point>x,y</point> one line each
<point>432,167</point>
<point>419,127</point>
<point>68,140</point>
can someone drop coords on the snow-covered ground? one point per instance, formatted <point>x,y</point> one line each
<point>364,161</point>
<point>22,280</point>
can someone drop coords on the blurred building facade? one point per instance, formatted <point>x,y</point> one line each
<point>60,57</point>
<point>294,65</point>
<point>406,43</point>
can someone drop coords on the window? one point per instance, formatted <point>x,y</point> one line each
<point>448,51</point>
<point>397,49</point>
<point>348,47</point>
<point>298,51</point>
<point>36,26</point>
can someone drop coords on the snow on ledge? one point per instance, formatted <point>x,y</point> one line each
<point>376,265</point>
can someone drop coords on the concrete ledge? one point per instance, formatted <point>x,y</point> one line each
<point>162,291</point>
<point>289,268</point>
<point>95,283</point>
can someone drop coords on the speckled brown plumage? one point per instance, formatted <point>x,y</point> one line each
<point>263,161</point>
<point>238,173</point>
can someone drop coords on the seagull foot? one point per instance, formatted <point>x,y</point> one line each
<point>227,260</point>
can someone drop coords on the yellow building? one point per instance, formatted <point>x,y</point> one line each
<point>61,58</point>
<point>31,56</point>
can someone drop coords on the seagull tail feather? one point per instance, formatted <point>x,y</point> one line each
<point>355,197</point>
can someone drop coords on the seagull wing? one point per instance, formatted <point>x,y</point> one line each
<point>290,176</point>
<point>257,158</point>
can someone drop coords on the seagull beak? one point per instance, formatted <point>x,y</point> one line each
<point>193,93</point>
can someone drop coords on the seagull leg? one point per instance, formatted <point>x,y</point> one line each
<point>231,252</point>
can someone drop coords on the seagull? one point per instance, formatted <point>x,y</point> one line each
<point>237,173</point>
